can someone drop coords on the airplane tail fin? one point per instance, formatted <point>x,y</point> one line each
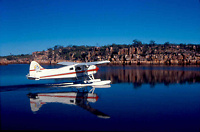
<point>33,70</point>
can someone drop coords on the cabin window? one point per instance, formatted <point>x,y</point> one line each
<point>78,68</point>
<point>71,68</point>
<point>71,101</point>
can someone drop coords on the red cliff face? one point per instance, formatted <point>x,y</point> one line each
<point>117,54</point>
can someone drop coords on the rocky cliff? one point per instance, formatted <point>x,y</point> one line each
<point>143,54</point>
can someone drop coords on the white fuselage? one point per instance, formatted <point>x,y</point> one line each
<point>72,71</point>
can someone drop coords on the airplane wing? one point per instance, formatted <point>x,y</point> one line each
<point>93,63</point>
<point>67,63</point>
<point>85,63</point>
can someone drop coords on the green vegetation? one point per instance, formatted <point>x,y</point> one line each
<point>15,57</point>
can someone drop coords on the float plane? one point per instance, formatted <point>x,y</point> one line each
<point>70,70</point>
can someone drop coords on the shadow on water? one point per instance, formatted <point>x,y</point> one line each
<point>58,82</point>
<point>24,86</point>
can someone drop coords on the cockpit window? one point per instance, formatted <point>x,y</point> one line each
<point>71,68</point>
<point>78,68</point>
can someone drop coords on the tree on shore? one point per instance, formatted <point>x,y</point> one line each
<point>137,42</point>
<point>152,42</point>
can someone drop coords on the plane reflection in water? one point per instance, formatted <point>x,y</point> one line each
<point>79,98</point>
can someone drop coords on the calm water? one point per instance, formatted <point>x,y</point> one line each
<point>139,99</point>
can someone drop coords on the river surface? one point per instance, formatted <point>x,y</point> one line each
<point>140,98</point>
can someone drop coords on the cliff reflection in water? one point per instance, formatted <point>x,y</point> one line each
<point>148,76</point>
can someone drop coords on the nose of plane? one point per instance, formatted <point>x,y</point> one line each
<point>97,68</point>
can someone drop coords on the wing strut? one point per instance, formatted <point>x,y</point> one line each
<point>91,77</point>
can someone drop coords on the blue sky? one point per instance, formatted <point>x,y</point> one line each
<point>35,25</point>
